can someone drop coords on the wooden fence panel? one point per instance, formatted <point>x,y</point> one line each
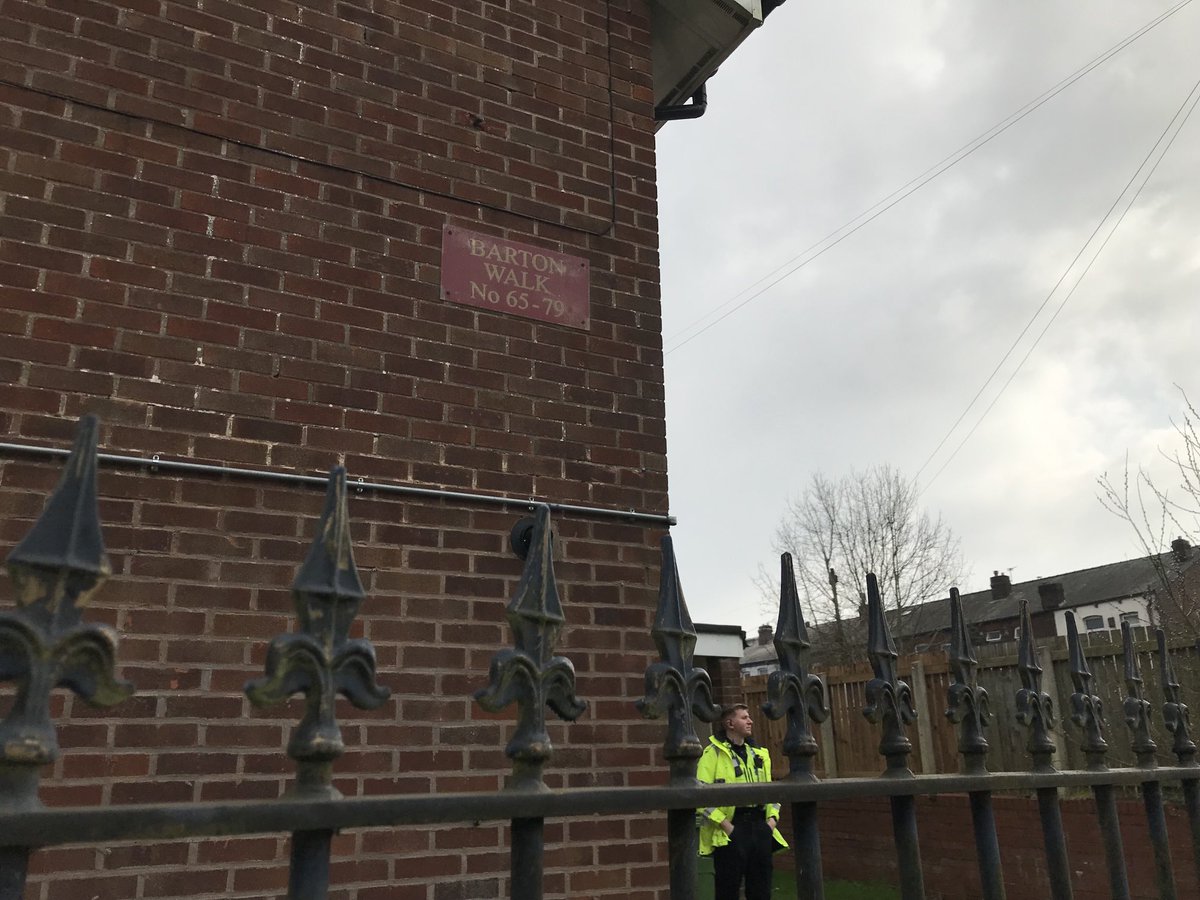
<point>1005,734</point>
<point>1104,656</point>
<point>945,739</point>
<point>856,741</point>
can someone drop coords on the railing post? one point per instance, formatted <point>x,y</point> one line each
<point>45,644</point>
<point>1049,681</point>
<point>793,692</point>
<point>1035,710</point>
<point>531,676</point>
<point>1177,720</point>
<point>929,764</point>
<point>308,869</point>
<point>321,662</point>
<point>14,866</point>
<point>968,708</point>
<point>1088,715</point>
<point>889,701</point>
<point>678,690</point>
<point>829,748</point>
<point>528,852</point>
<point>1137,717</point>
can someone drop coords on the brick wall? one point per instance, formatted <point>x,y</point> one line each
<point>726,675</point>
<point>856,844</point>
<point>220,230</point>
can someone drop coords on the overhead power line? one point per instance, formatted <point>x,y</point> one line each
<point>881,206</point>
<point>1178,120</point>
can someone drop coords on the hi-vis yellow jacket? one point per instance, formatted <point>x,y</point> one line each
<point>720,765</point>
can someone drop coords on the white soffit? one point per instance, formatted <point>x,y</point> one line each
<point>720,645</point>
<point>691,38</point>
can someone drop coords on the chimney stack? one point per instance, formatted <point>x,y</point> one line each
<point>1001,586</point>
<point>1182,549</point>
<point>765,634</point>
<point>1052,594</point>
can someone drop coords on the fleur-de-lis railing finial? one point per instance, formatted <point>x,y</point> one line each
<point>889,700</point>
<point>1087,712</point>
<point>792,691</point>
<point>321,661</point>
<point>1035,708</point>
<point>530,675</point>
<point>968,702</point>
<point>1136,706</point>
<point>44,643</point>
<point>1175,711</point>
<point>674,687</point>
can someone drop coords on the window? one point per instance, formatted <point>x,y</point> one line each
<point>1132,618</point>
<point>993,636</point>
<point>1093,623</point>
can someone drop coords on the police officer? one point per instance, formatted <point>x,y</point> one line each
<point>742,839</point>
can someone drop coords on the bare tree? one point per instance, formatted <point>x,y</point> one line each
<point>1157,512</point>
<point>839,530</point>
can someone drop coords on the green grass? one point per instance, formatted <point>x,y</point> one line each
<point>784,887</point>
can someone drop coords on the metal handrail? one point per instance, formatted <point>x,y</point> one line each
<point>156,463</point>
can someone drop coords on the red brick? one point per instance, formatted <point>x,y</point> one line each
<point>144,855</point>
<point>189,420</point>
<point>94,887</point>
<point>189,880</point>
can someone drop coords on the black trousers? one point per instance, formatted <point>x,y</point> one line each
<point>746,857</point>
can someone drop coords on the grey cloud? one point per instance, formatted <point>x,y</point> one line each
<point>868,354</point>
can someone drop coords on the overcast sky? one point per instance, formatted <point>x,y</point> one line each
<point>868,354</point>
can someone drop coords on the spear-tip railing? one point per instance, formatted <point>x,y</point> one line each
<point>320,661</point>
<point>533,677</point>
<point>45,643</point>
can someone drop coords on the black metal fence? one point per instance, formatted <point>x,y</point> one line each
<point>45,644</point>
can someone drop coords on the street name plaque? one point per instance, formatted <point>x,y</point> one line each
<point>511,277</point>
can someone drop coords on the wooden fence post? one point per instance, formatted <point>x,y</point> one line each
<point>924,718</point>
<point>828,750</point>
<point>1050,686</point>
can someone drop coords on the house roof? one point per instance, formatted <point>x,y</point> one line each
<point>1112,581</point>
<point>759,653</point>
